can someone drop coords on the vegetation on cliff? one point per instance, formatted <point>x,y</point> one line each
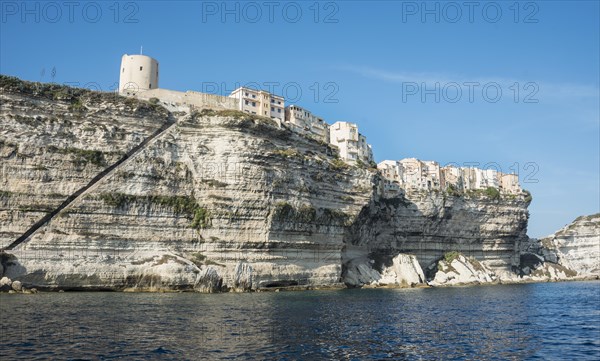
<point>182,205</point>
<point>285,212</point>
<point>77,98</point>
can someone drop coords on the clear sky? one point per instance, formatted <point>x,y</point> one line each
<point>516,85</point>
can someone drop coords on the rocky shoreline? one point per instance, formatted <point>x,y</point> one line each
<point>19,289</point>
<point>9,286</point>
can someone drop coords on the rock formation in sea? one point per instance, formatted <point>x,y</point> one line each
<point>98,191</point>
<point>571,252</point>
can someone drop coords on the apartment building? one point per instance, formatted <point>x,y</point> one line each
<point>431,175</point>
<point>509,183</point>
<point>304,122</point>
<point>260,102</point>
<point>391,169</point>
<point>411,173</point>
<point>451,176</point>
<point>365,151</point>
<point>352,145</point>
<point>485,178</point>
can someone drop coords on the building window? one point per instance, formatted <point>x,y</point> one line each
<point>247,102</point>
<point>150,86</point>
<point>246,94</point>
<point>253,104</point>
<point>272,109</point>
<point>123,70</point>
<point>265,112</point>
<point>141,67</point>
<point>253,96</point>
<point>278,110</point>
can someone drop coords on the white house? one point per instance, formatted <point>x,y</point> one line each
<point>485,178</point>
<point>391,169</point>
<point>431,175</point>
<point>304,122</point>
<point>260,102</point>
<point>509,183</point>
<point>451,176</point>
<point>365,151</point>
<point>416,174</point>
<point>412,173</point>
<point>352,145</point>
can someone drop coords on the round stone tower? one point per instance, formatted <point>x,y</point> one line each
<point>138,73</point>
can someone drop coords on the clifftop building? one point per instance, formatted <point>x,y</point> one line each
<point>509,183</point>
<point>259,102</point>
<point>306,122</point>
<point>138,73</point>
<point>352,145</point>
<point>411,173</point>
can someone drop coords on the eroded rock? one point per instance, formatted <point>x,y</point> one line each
<point>208,281</point>
<point>5,284</point>
<point>16,285</point>
<point>457,269</point>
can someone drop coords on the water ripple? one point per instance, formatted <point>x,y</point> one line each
<point>510,322</point>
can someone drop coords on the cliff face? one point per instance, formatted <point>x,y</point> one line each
<point>213,200</point>
<point>51,145</point>
<point>573,250</point>
<point>431,224</point>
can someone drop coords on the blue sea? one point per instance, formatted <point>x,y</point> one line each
<point>546,321</point>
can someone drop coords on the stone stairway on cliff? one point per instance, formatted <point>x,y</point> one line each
<point>81,192</point>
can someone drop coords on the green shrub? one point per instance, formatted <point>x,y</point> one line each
<point>287,153</point>
<point>528,198</point>
<point>452,190</point>
<point>492,193</point>
<point>283,210</point>
<point>201,218</point>
<point>214,183</point>
<point>77,106</point>
<point>339,164</point>
<point>451,256</point>
<point>233,113</point>
<point>335,216</point>
<point>306,213</point>
<point>181,205</point>
<point>82,156</point>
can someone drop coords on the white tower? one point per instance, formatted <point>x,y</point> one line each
<point>138,73</point>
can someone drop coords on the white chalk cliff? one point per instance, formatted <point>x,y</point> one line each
<point>98,191</point>
<point>574,250</point>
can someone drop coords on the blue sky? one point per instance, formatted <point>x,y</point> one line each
<point>379,64</point>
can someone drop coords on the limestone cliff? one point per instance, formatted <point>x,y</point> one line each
<point>430,224</point>
<point>573,251</point>
<point>139,197</point>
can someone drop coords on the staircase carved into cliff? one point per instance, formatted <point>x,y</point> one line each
<point>81,192</point>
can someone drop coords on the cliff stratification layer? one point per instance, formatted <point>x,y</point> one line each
<point>571,252</point>
<point>214,200</point>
